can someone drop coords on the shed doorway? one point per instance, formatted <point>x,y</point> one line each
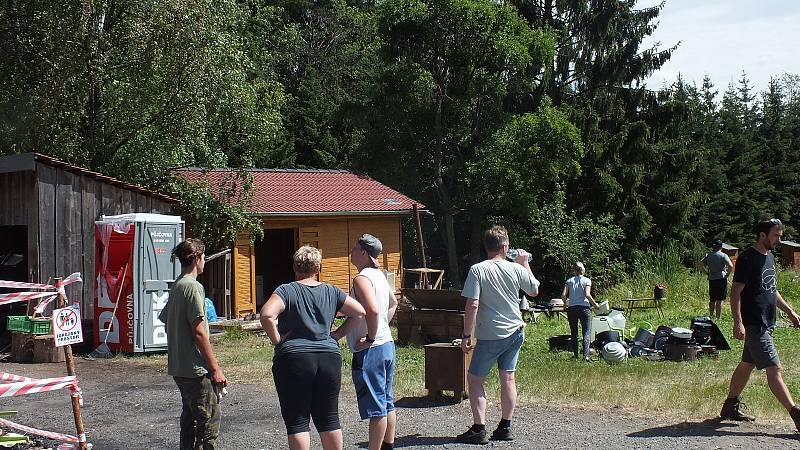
<point>13,267</point>
<point>273,255</point>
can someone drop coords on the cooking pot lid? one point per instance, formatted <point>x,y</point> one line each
<point>684,333</point>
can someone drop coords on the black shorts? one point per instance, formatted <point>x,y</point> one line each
<point>308,385</point>
<point>759,348</point>
<point>717,289</point>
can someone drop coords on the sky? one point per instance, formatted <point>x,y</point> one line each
<point>721,38</point>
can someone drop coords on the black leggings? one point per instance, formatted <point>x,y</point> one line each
<point>582,314</point>
<point>308,385</point>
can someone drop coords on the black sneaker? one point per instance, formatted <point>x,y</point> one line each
<point>473,437</point>
<point>502,434</point>
<point>794,413</point>
<point>732,409</point>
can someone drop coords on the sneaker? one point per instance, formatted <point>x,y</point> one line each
<point>473,437</point>
<point>794,413</point>
<point>732,409</point>
<point>502,434</point>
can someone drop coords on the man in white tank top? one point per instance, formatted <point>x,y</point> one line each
<point>370,340</point>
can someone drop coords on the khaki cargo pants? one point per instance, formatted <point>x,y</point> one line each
<point>200,418</point>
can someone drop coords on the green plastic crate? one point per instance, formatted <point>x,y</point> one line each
<point>19,323</point>
<point>41,326</point>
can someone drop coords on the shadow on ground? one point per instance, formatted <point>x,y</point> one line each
<point>425,402</point>
<point>416,440</point>
<point>707,428</point>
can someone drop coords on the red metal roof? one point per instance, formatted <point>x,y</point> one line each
<point>318,192</point>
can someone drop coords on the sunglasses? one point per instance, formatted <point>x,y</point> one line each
<point>776,222</point>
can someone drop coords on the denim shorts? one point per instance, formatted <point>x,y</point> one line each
<point>373,376</point>
<point>504,351</point>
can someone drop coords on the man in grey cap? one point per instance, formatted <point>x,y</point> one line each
<point>371,342</point>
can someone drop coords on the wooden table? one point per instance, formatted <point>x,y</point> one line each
<point>534,312</point>
<point>632,304</point>
<point>446,369</point>
<point>425,277</point>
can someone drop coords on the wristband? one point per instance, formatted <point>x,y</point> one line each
<point>367,339</point>
<point>466,336</point>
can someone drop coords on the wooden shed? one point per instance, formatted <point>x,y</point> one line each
<point>328,209</point>
<point>731,251</point>
<point>47,214</point>
<point>790,254</point>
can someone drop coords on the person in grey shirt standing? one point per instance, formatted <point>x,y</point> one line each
<point>716,265</point>
<point>491,292</point>
<point>577,294</point>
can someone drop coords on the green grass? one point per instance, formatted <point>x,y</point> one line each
<point>688,390</point>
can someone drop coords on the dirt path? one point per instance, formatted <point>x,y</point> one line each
<point>128,406</point>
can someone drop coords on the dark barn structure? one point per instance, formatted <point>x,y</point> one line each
<point>47,214</point>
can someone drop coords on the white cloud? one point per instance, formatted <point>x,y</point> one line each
<point>722,38</point>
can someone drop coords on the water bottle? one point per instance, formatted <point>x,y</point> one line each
<point>512,254</point>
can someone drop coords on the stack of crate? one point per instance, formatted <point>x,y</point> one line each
<point>32,340</point>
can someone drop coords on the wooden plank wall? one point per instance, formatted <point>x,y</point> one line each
<point>335,248</point>
<point>337,235</point>
<point>69,204</point>
<point>18,204</point>
<point>244,289</point>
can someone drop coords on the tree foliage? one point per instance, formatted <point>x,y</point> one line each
<point>534,114</point>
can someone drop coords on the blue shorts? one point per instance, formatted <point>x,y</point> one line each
<point>373,376</point>
<point>504,351</point>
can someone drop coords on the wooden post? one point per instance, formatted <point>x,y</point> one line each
<point>419,236</point>
<point>423,276</point>
<point>76,402</point>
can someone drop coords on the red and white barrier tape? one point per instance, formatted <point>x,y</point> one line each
<point>6,377</point>
<point>14,297</point>
<point>30,295</point>
<point>73,278</point>
<point>35,386</point>
<point>47,434</point>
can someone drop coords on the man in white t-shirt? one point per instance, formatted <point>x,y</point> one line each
<point>492,295</point>
<point>370,340</point>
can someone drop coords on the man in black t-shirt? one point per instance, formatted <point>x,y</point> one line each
<point>753,301</point>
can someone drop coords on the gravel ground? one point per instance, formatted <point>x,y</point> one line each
<point>128,406</point>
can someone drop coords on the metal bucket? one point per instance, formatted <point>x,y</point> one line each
<point>644,337</point>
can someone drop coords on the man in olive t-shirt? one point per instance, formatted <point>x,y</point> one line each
<point>190,359</point>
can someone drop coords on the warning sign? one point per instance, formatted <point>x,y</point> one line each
<point>67,326</point>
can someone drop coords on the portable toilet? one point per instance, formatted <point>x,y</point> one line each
<point>134,271</point>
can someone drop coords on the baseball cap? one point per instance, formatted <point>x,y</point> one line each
<point>372,246</point>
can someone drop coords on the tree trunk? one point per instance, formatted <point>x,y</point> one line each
<point>443,194</point>
<point>454,269</point>
<point>475,236</point>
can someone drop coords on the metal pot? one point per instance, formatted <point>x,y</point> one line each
<point>678,352</point>
<point>605,337</point>
<point>561,343</point>
<point>644,337</point>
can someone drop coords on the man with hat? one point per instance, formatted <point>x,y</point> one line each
<point>716,265</point>
<point>371,342</point>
